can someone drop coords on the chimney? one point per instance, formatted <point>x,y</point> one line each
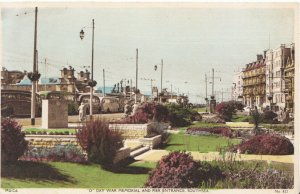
<point>265,54</point>
<point>259,57</point>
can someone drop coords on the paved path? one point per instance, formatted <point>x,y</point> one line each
<point>155,155</point>
<point>25,122</point>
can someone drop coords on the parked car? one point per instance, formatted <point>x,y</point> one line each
<point>85,98</point>
<point>18,103</point>
<point>109,104</point>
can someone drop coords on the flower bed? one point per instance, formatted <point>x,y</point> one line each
<point>224,131</point>
<point>266,144</point>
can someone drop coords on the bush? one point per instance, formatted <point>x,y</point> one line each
<point>148,112</point>
<point>253,175</point>
<point>225,110</point>
<point>224,131</point>
<point>100,143</point>
<point>181,117</point>
<point>13,143</point>
<point>176,170</point>
<point>268,116</point>
<point>267,144</point>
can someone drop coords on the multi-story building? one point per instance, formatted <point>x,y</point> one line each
<point>276,60</point>
<point>11,77</point>
<point>237,88</point>
<point>254,83</point>
<point>289,74</point>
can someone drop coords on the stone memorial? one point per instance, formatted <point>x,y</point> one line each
<point>54,114</point>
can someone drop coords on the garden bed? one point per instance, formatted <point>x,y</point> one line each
<point>222,131</point>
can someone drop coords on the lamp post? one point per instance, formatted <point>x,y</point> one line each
<point>161,78</point>
<point>91,83</point>
<point>34,75</point>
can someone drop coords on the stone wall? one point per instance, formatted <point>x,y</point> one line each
<point>138,131</point>
<point>152,142</point>
<point>47,143</point>
<point>122,154</point>
<point>131,131</point>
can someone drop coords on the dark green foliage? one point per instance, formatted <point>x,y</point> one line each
<point>100,143</point>
<point>72,109</point>
<point>180,117</point>
<point>269,117</point>
<point>13,143</point>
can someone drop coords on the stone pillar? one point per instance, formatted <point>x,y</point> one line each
<point>212,104</point>
<point>54,114</point>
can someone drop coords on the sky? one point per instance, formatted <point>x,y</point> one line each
<point>190,40</point>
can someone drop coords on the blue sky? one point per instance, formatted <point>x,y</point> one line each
<point>191,41</point>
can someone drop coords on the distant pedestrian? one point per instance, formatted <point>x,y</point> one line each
<point>134,109</point>
<point>127,109</point>
<point>82,112</point>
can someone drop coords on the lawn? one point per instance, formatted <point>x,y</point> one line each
<point>202,109</point>
<point>203,144</point>
<point>241,118</point>
<point>72,175</point>
<point>73,131</point>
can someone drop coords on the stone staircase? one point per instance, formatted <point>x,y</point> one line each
<point>136,147</point>
<point>138,151</point>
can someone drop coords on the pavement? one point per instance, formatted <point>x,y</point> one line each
<point>155,155</point>
<point>73,120</point>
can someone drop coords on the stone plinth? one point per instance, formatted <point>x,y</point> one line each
<point>54,114</point>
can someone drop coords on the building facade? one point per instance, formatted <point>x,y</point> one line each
<point>254,83</point>
<point>237,88</point>
<point>276,60</point>
<point>289,74</point>
<point>11,77</point>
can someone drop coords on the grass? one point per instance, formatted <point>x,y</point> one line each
<point>202,144</point>
<point>207,125</point>
<point>72,175</point>
<point>202,109</point>
<point>49,130</point>
<point>240,118</point>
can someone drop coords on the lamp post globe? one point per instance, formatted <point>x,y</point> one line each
<point>81,34</point>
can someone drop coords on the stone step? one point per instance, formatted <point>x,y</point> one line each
<point>136,148</point>
<point>139,151</point>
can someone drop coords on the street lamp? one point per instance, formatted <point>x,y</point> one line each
<point>92,83</point>
<point>34,75</point>
<point>161,77</point>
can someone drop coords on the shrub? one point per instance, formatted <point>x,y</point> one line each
<point>13,143</point>
<point>267,144</point>
<point>180,116</point>
<point>100,143</point>
<point>224,131</point>
<point>176,170</point>
<point>249,175</point>
<point>225,110</point>
<point>268,116</point>
<point>148,112</point>
<point>209,174</point>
